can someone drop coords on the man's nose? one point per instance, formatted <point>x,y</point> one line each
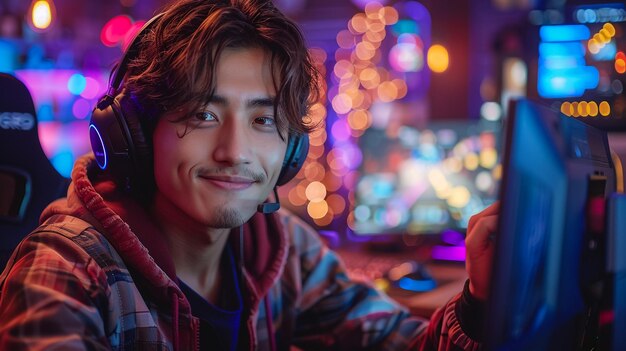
<point>233,145</point>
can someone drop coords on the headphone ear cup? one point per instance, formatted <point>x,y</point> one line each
<point>118,141</point>
<point>297,151</point>
<point>109,139</point>
<point>141,156</point>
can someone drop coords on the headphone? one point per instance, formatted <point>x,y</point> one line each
<point>118,140</point>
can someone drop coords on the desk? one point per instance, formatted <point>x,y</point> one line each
<point>450,278</point>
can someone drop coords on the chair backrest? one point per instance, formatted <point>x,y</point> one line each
<point>28,181</point>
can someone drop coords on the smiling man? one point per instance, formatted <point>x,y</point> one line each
<point>168,238</point>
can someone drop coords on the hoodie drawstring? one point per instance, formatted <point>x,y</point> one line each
<point>268,321</point>
<point>175,319</point>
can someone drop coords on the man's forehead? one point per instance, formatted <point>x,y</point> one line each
<point>254,101</point>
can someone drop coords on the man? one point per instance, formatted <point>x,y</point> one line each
<point>175,255</point>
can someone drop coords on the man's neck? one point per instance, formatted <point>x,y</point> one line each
<point>196,249</point>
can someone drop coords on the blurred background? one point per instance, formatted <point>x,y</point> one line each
<point>415,95</point>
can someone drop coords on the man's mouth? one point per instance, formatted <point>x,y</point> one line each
<point>229,182</point>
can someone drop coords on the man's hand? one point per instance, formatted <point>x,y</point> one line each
<point>480,247</point>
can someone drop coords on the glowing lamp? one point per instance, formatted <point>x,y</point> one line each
<point>41,15</point>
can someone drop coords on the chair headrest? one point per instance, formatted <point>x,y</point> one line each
<point>19,137</point>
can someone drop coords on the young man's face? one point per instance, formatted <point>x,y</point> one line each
<point>230,158</point>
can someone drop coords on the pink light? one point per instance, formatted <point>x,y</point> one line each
<point>56,137</point>
<point>340,130</point>
<point>76,134</point>
<point>351,156</point>
<point>406,57</point>
<point>92,89</point>
<point>46,85</point>
<point>81,108</point>
<point>393,217</point>
<point>115,30</point>
<point>49,133</point>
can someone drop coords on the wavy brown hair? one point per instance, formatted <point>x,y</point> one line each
<point>175,66</point>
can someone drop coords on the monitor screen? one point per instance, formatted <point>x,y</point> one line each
<point>423,181</point>
<point>547,261</point>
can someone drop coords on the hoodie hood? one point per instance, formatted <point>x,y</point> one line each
<point>142,245</point>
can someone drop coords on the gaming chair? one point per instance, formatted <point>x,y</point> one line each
<point>28,181</point>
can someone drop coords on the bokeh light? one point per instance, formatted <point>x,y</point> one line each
<point>491,111</point>
<point>315,191</point>
<point>438,59</point>
<point>81,108</point>
<point>620,62</point>
<point>317,209</point>
<point>406,57</point>
<point>41,15</point>
<point>76,83</point>
<point>115,30</point>
<point>92,88</point>
<point>605,109</point>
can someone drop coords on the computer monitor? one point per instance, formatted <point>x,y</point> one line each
<point>422,181</point>
<point>549,263</point>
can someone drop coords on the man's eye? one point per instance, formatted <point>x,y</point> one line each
<point>206,116</point>
<point>266,121</point>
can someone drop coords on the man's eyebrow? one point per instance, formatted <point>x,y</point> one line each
<point>219,100</point>
<point>256,102</point>
<point>261,102</point>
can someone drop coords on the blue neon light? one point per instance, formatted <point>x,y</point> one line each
<point>77,83</point>
<point>560,33</point>
<point>63,162</point>
<point>572,48</point>
<point>556,63</point>
<point>563,71</point>
<point>8,56</point>
<point>97,144</point>
<point>409,284</point>
<point>569,82</point>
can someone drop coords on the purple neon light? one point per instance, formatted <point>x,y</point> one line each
<point>448,253</point>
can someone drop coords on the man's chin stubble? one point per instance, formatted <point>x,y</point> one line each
<point>226,218</point>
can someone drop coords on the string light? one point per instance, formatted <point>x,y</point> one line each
<point>586,109</point>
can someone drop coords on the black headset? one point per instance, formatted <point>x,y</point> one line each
<point>118,140</point>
